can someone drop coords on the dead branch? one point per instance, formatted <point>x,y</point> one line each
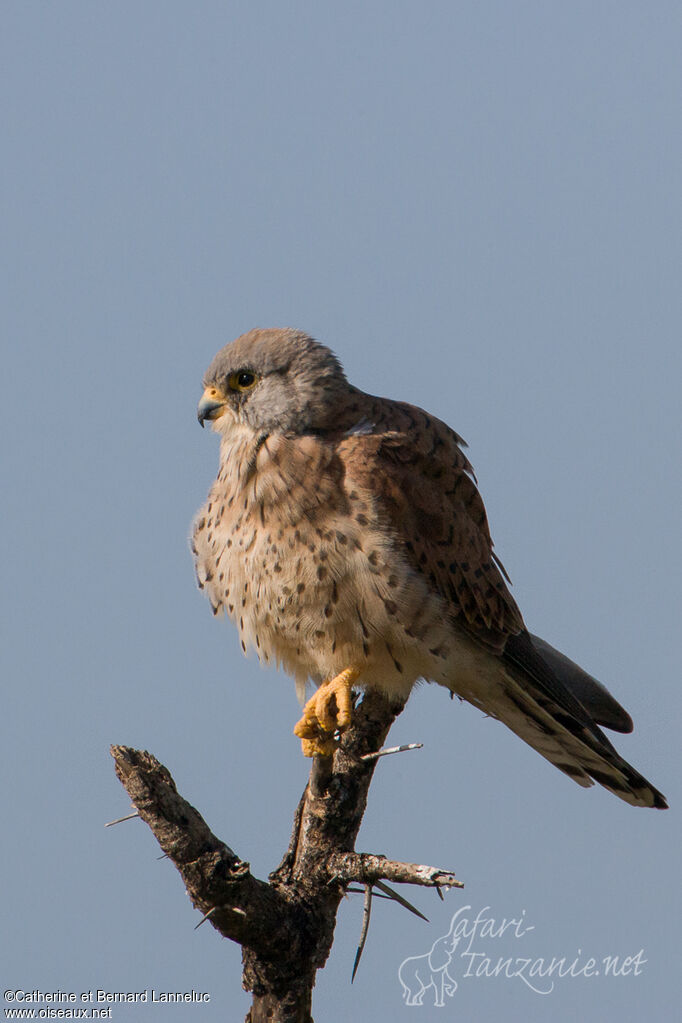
<point>364,867</point>
<point>285,925</point>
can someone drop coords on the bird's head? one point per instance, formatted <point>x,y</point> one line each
<point>274,381</point>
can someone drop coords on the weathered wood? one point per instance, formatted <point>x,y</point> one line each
<point>285,925</point>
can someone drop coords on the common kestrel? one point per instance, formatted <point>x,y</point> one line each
<point>346,537</point>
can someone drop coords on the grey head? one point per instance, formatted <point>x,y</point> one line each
<point>273,380</point>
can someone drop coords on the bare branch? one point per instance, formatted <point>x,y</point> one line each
<point>363,867</point>
<point>286,926</point>
<point>217,880</point>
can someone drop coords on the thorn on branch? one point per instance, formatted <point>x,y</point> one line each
<point>397,897</point>
<point>119,820</point>
<point>366,914</point>
<point>361,891</point>
<point>393,749</point>
<point>205,917</point>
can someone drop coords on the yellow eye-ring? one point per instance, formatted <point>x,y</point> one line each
<point>242,380</point>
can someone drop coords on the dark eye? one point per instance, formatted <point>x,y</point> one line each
<point>242,380</point>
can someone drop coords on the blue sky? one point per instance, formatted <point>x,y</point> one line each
<point>477,206</point>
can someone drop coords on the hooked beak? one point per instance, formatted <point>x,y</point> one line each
<point>211,406</point>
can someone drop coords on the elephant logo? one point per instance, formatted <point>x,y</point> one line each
<point>419,973</point>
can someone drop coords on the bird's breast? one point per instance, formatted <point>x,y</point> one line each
<point>301,564</point>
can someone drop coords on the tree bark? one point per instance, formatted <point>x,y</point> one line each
<point>285,925</point>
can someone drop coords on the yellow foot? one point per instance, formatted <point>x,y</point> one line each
<point>328,711</point>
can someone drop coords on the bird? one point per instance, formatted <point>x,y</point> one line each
<point>346,538</point>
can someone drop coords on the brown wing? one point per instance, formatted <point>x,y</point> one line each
<point>423,485</point>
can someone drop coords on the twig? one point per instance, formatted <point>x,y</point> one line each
<point>363,867</point>
<point>243,908</point>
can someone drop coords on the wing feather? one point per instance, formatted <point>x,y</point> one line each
<point>426,492</point>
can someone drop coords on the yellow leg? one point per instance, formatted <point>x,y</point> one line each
<point>325,712</point>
